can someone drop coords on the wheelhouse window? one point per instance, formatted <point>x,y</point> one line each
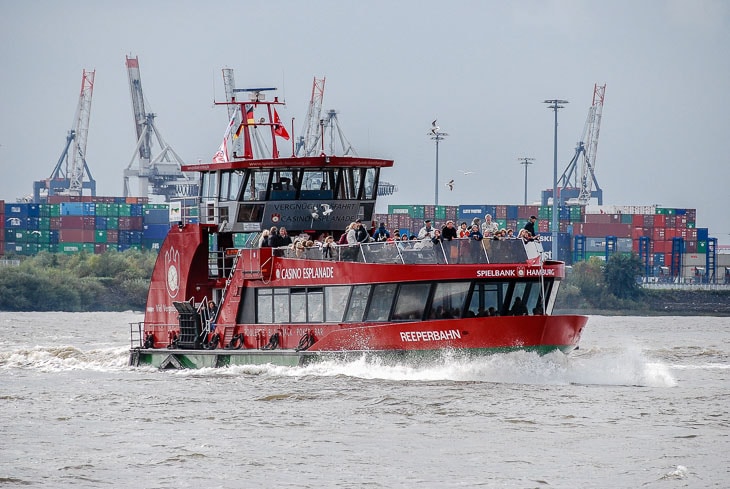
<point>358,303</point>
<point>335,302</point>
<point>255,185</point>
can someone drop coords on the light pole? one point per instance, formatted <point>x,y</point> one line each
<point>437,136</point>
<point>554,105</point>
<point>526,161</point>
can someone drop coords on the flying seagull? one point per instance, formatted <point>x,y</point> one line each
<point>450,184</point>
<point>466,172</point>
<point>434,127</point>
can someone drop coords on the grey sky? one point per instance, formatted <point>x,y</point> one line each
<point>482,68</point>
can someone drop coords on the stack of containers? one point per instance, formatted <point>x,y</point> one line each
<point>73,224</point>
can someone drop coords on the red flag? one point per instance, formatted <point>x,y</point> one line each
<point>279,128</point>
<point>221,156</point>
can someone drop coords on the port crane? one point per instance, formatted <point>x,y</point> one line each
<point>579,178</point>
<point>159,174</point>
<point>71,175</point>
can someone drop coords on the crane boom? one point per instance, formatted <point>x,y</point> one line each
<point>313,129</point>
<point>579,182</point>
<point>78,148</point>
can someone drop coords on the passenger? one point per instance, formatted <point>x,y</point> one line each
<point>475,234</point>
<point>518,308</point>
<point>426,231</point>
<point>510,233</point>
<point>361,234</point>
<point>280,239</point>
<point>381,234</point>
<point>476,221</point>
<point>530,226</point>
<point>448,232</point>
<point>463,231</point>
<point>211,315</point>
<point>538,310</point>
<point>489,227</point>
<point>492,311</point>
<point>328,247</point>
<point>343,236</point>
<point>264,239</point>
<point>437,238</point>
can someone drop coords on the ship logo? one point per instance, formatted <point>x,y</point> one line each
<point>521,272</point>
<point>275,217</point>
<point>172,261</point>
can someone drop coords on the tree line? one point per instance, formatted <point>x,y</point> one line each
<point>112,281</point>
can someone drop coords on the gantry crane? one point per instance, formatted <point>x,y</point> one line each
<point>67,178</point>
<point>159,175</point>
<point>579,185</point>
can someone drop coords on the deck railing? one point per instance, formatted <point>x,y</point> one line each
<point>457,251</point>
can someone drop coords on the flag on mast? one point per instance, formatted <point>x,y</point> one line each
<point>221,156</point>
<point>279,128</point>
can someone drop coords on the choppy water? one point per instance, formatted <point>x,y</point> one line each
<point>643,403</point>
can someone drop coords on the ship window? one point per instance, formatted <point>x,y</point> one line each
<point>370,177</point>
<point>484,296</point>
<point>336,302</point>
<point>358,302</point>
<point>264,306</point>
<point>235,187</point>
<point>298,305</point>
<point>204,186</point>
<point>449,299</point>
<point>225,181</point>
<point>212,188</point>
<point>281,306</point>
<point>410,302</point>
<point>381,302</point>
<point>315,305</point>
<point>256,185</point>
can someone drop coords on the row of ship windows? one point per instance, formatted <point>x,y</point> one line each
<point>267,184</point>
<point>394,302</point>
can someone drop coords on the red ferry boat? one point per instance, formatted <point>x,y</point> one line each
<point>294,304</point>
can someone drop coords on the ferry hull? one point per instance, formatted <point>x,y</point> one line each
<point>399,343</point>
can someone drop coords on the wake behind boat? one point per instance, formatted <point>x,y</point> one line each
<point>213,302</point>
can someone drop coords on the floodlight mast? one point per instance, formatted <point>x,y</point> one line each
<point>554,105</point>
<point>526,162</point>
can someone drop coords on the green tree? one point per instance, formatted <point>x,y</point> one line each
<point>621,272</point>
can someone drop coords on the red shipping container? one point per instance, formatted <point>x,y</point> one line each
<point>501,212</point>
<point>657,234</point>
<point>99,248</point>
<point>525,211</point>
<point>66,235</point>
<point>649,220</point>
<point>600,230</point>
<point>670,233</point>
<point>599,218</point>
<point>55,223</point>
<point>112,236</point>
<point>637,220</point>
<point>680,222</point>
<point>690,246</point>
<point>660,220</point>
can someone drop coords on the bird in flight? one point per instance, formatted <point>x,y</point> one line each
<point>450,184</point>
<point>466,172</point>
<point>434,127</point>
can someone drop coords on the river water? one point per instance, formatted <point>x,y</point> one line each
<point>643,403</point>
